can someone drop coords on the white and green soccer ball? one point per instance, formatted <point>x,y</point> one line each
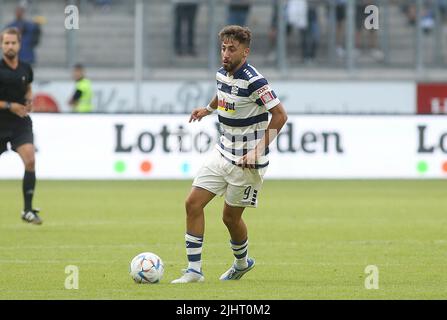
<point>146,267</point>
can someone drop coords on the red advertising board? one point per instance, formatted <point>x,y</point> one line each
<point>432,98</point>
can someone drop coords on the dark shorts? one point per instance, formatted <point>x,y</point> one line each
<point>360,17</point>
<point>16,132</point>
<point>340,12</point>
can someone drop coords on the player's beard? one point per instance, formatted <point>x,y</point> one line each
<point>10,54</point>
<point>232,66</point>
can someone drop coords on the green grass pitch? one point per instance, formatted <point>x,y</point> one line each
<point>311,240</point>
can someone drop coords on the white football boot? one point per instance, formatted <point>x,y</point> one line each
<point>235,274</point>
<point>190,275</point>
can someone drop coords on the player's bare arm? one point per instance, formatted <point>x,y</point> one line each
<point>279,118</point>
<point>14,107</point>
<point>199,113</point>
<point>29,98</point>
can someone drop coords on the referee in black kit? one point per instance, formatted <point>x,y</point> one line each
<point>15,124</point>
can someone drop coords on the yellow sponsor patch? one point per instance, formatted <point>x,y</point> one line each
<point>226,109</point>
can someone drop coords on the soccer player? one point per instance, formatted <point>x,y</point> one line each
<point>240,159</point>
<point>15,123</point>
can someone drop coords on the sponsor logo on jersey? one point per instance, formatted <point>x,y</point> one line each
<point>267,97</point>
<point>262,90</point>
<point>226,106</point>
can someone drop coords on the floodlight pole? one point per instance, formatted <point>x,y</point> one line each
<point>384,34</point>
<point>438,34</point>
<point>138,53</point>
<point>212,27</point>
<point>332,32</point>
<point>419,38</point>
<point>72,43</point>
<point>350,35</point>
<point>281,43</point>
<point>1,13</point>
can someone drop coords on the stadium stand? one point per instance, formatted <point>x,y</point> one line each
<point>105,41</point>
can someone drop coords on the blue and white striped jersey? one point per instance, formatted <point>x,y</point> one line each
<point>243,101</point>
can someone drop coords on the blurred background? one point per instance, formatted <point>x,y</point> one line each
<point>350,73</point>
<point>144,41</point>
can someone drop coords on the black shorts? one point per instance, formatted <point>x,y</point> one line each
<point>340,12</point>
<point>17,133</point>
<point>360,17</point>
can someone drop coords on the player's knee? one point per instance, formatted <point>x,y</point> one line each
<point>192,206</point>
<point>230,221</point>
<point>30,164</point>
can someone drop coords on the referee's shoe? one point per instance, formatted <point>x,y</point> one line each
<point>31,216</point>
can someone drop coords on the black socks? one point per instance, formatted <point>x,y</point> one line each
<point>29,182</point>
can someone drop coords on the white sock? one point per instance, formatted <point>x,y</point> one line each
<point>194,252</point>
<point>240,251</point>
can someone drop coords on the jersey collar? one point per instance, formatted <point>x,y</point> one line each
<point>239,71</point>
<point>4,64</point>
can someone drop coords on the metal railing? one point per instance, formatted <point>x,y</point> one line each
<point>139,35</point>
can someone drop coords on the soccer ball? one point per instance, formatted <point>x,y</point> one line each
<point>146,267</point>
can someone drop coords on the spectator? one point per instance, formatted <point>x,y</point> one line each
<point>303,16</point>
<point>30,32</point>
<point>184,30</point>
<point>310,36</point>
<point>238,11</point>
<point>427,14</point>
<point>273,32</point>
<point>443,8</point>
<point>428,19</point>
<point>81,100</point>
<point>409,8</point>
<point>103,5</point>
<point>340,16</point>
<point>103,2</point>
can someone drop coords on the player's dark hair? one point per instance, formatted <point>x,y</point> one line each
<point>11,30</point>
<point>78,66</point>
<point>238,33</point>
